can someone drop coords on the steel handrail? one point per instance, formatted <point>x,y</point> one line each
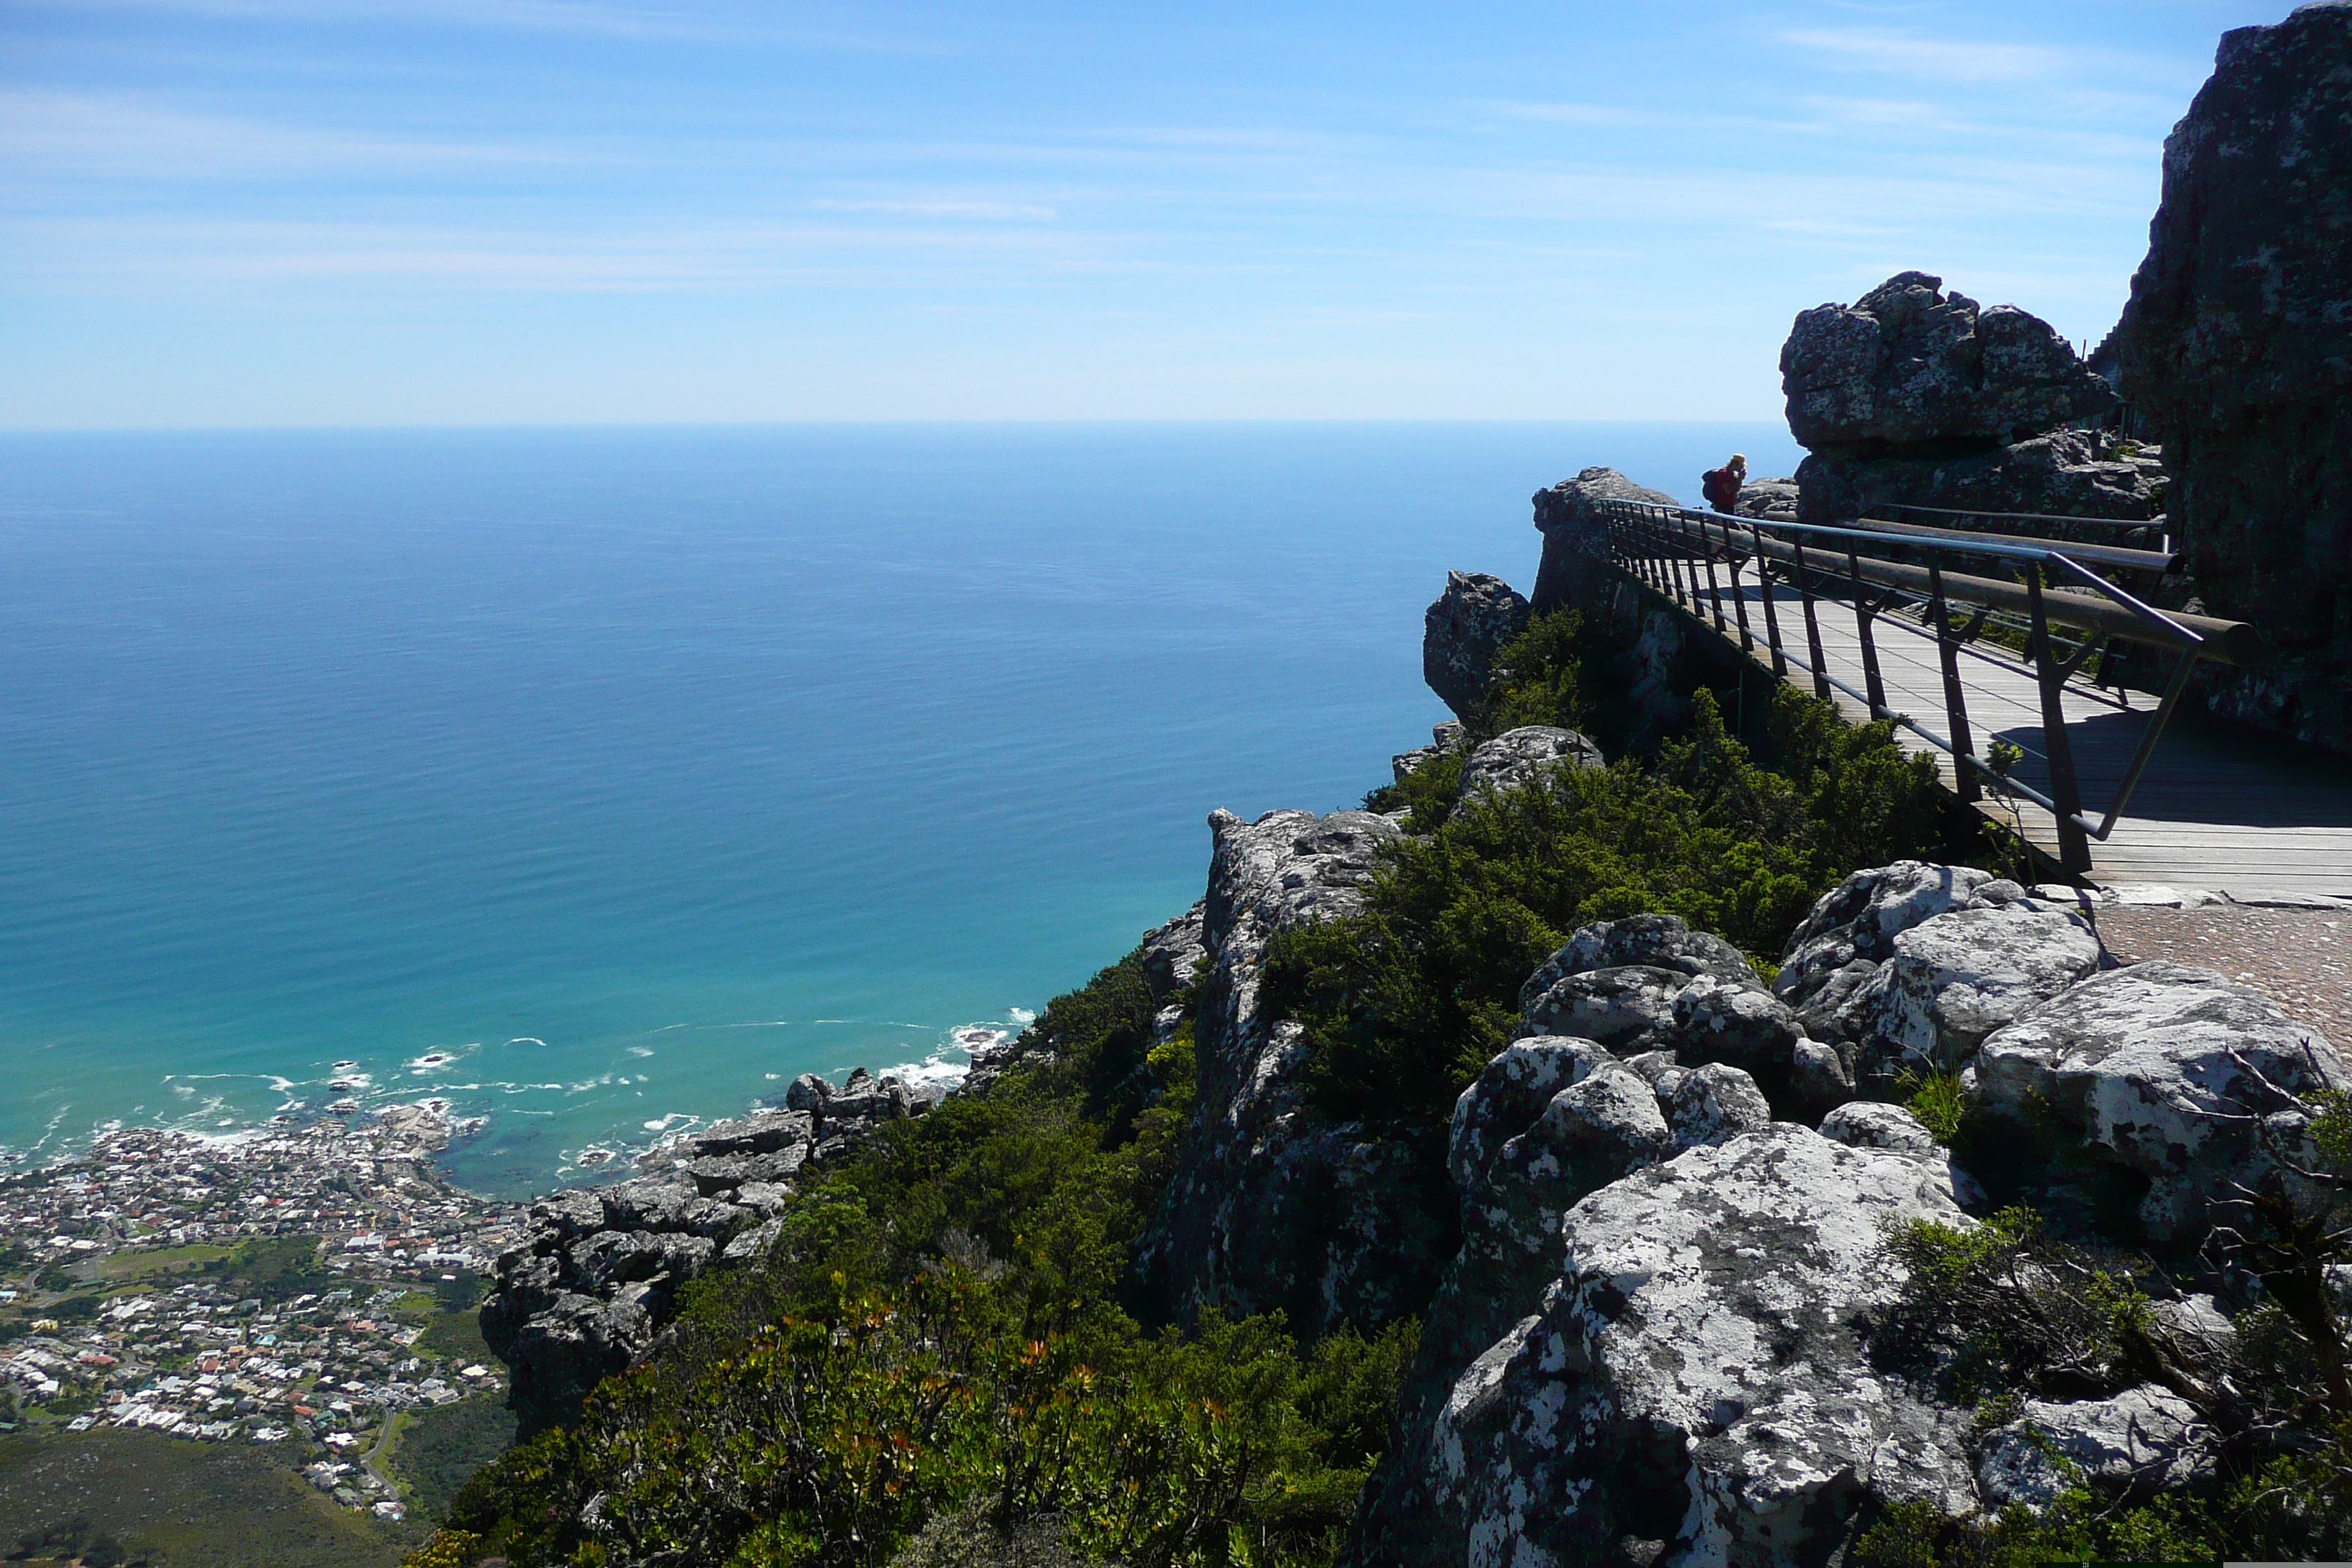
<point>2158,521</point>
<point>1652,542</point>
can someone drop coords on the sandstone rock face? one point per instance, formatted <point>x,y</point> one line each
<point>2143,1442</point>
<point>2156,1067</point>
<point>1517,758</point>
<point>1574,539</point>
<point>1774,500</point>
<point>1471,620</point>
<point>584,1296</point>
<point>2238,342</point>
<point>1908,365</point>
<point>1955,979</point>
<point>1691,1387</point>
<point>1271,1205</point>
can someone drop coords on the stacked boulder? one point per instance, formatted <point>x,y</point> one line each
<point>1463,630</point>
<point>1913,394</point>
<point>1656,1341</point>
<point>587,1292</point>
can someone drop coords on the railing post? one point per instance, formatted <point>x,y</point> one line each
<point>1771,616</point>
<point>1733,562</point>
<point>2073,841</point>
<point>1862,614</point>
<point>1714,584</point>
<point>1812,623</point>
<point>1956,708</point>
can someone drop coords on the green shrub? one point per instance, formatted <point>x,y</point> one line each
<point>1405,1002</point>
<point>1937,1100</point>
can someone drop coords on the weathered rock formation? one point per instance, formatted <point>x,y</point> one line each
<point>2238,342</point>
<point>1915,395</point>
<point>1463,630</point>
<point>1575,541</point>
<point>586,1294</point>
<point>1272,1204</point>
<point>1654,1343</point>
<point>1908,367</point>
<point>1517,758</point>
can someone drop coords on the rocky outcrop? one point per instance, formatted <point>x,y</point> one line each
<point>2238,342</point>
<point>1908,367</point>
<point>1273,1205</point>
<point>1517,758</point>
<point>1953,980</point>
<point>1692,1385</point>
<point>1575,541</point>
<point>1444,741</point>
<point>2172,1075</point>
<point>1650,984</point>
<point>586,1294</point>
<point>1463,629</point>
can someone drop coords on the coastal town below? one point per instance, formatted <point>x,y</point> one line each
<point>308,1286</point>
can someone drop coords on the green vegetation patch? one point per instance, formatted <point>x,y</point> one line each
<point>434,1450</point>
<point>190,1505</point>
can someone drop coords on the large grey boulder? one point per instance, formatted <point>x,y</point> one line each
<point>1658,942</point>
<point>1172,954</point>
<point>1517,758</point>
<point>2237,343</point>
<point>2159,1069</point>
<point>1272,1204</point>
<point>1713,1104</point>
<point>1576,538</point>
<point>1908,365</point>
<point>2143,1442</point>
<point>1628,1009</point>
<point>1955,979</point>
<point>1462,631</point>
<point>1862,916</point>
<point>1693,1387</point>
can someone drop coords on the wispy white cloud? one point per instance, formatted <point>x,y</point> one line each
<point>1946,59</point>
<point>999,212</point>
<point>45,132</point>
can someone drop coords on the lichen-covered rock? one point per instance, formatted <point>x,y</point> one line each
<point>1908,365</point>
<point>1463,629</point>
<point>1773,500</point>
<point>1272,1205</point>
<point>2154,1065</point>
<point>1693,1388</point>
<point>1630,1008</point>
<point>2143,1442</point>
<point>1507,1096</point>
<point>1172,954</point>
<point>1862,916</point>
<point>1955,979</point>
<point>1735,1021</point>
<point>1658,942</point>
<point>2237,342</point>
<point>1713,1104</point>
<point>1444,739</point>
<point>1867,1124</point>
<point>1517,758</point>
<point>1575,539</point>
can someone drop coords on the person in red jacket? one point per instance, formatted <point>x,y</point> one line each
<point>1721,486</point>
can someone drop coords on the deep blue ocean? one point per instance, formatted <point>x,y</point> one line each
<point>596,781</point>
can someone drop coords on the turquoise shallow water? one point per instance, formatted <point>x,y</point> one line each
<point>596,781</point>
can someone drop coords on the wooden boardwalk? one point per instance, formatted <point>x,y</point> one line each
<point>2219,809</point>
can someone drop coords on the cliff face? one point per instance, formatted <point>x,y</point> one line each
<point>2238,342</point>
<point>1272,1204</point>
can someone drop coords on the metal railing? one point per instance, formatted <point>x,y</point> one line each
<point>1898,576</point>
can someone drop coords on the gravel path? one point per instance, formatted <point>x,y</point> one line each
<point>2302,957</point>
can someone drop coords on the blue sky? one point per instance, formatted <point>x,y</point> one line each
<point>347,212</point>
